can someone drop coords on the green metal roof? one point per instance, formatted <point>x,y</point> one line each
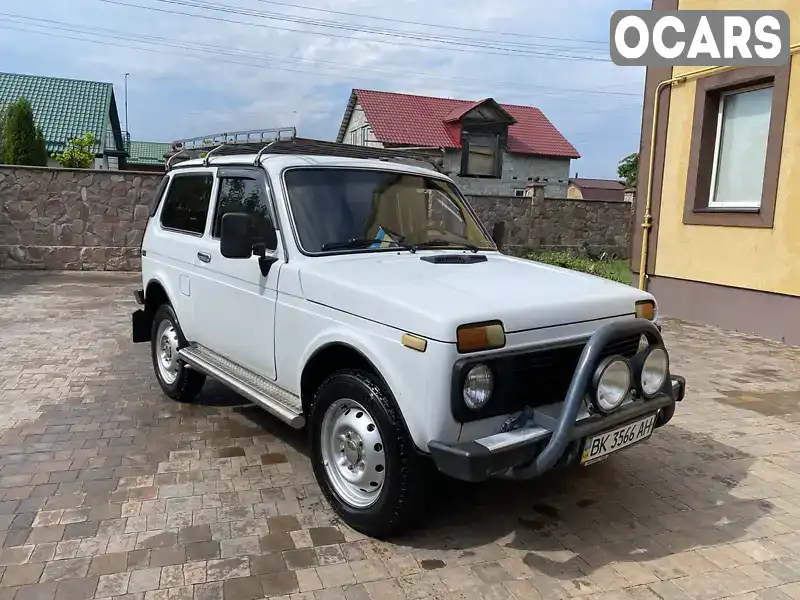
<point>63,108</point>
<point>148,153</point>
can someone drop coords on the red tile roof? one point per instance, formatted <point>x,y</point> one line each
<point>421,121</point>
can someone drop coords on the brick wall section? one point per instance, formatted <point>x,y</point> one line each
<point>558,223</point>
<point>73,219</point>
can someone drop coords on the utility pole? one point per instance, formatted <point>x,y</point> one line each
<point>126,102</point>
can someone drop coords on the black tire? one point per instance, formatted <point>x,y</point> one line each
<point>188,382</point>
<point>402,495</point>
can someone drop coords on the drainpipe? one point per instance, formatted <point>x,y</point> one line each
<point>647,223</point>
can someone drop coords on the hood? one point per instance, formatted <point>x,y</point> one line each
<point>403,291</point>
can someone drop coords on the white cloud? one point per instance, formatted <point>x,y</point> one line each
<point>174,95</point>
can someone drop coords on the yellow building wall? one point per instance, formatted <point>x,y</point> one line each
<point>761,259</point>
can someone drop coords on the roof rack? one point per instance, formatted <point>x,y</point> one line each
<point>250,136</point>
<point>284,140</point>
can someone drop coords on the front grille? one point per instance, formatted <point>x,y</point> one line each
<point>536,378</point>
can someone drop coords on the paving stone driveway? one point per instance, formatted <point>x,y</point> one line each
<point>109,489</point>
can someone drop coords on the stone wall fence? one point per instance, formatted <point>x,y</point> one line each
<point>536,222</point>
<point>74,219</point>
<point>78,219</point>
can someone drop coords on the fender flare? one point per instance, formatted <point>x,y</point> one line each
<point>161,281</point>
<point>343,336</point>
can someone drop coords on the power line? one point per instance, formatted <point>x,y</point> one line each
<point>214,51</point>
<point>451,44</point>
<point>103,40</point>
<point>417,23</point>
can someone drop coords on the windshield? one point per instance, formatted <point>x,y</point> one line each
<point>337,209</point>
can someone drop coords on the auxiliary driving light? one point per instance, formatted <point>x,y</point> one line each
<point>478,386</point>
<point>654,370</point>
<point>611,382</point>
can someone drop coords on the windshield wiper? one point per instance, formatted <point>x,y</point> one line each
<point>439,242</point>
<point>359,242</point>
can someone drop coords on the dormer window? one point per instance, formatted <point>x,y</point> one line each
<point>484,136</point>
<point>483,155</point>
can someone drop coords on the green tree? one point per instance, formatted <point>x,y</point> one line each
<point>79,153</point>
<point>24,141</point>
<point>628,169</point>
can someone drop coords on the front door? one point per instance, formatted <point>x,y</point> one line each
<point>234,302</point>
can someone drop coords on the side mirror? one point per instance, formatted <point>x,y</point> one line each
<point>498,233</point>
<point>236,236</point>
<point>240,238</point>
<point>268,237</point>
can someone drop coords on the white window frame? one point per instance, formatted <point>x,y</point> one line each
<point>717,143</point>
<point>519,192</point>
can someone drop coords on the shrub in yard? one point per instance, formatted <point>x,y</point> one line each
<point>79,153</point>
<point>583,264</point>
<point>23,140</point>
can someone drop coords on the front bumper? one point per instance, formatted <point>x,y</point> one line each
<point>557,431</point>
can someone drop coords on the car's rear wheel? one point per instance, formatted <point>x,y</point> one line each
<point>362,455</point>
<point>176,380</point>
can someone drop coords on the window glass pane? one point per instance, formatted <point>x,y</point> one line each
<point>237,194</point>
<point>481,159</point>
<point>742,148</point>
<point>336,205</point>
<point>186,205</point>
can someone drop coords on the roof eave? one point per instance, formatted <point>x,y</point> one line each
<point>348,113</point>
<point>490,101</point>
<point>545,154</point>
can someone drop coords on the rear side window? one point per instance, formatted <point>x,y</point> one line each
<point>186,205</point>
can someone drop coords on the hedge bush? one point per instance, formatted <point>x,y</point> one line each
<point>23,140</point>
<point>614,270</point>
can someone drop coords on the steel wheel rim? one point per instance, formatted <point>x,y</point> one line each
<point>353,453</point>
<point>167,352</point>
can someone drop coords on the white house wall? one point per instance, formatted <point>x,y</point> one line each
<point>358,121</point>
<point>517,170</point>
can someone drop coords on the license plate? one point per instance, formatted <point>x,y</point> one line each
<point>600,446</point>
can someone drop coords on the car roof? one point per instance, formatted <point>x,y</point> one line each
<point>282,161</point>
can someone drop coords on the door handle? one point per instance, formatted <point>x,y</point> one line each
<point>204,256</point>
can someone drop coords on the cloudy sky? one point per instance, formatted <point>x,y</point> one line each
<point>203,66</point>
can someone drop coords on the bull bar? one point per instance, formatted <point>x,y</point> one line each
<point>531,451</point>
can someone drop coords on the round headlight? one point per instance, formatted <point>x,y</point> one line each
<point>478,386</point>
<point>612,382</point>
<point>655,369</point>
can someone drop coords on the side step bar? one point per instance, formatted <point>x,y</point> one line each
<point>278,402</point>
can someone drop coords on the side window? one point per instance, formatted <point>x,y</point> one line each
<point>242,195</point>
<point>186,205</point>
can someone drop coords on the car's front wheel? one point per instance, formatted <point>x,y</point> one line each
<point>176,380</point>
<point>362,455</point>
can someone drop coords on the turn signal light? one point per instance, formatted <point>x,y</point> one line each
<point>480,336</point>
<point>646,309</point>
